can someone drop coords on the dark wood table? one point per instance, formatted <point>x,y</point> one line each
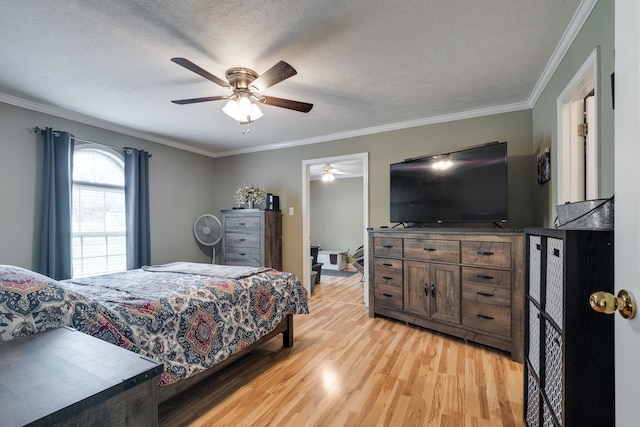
<point>65,377</point>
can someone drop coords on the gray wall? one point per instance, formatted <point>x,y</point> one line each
<point>280,171</point>
<point>336,217</point>
<point>597,31</point>
<point>180,188</point>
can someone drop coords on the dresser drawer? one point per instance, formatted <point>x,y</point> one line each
<point>387,271</point>
<point>489,318</point>
<point>432,250</point>
<point>244,223</point>
<point>387,246</point>
<point>488,277</point>
<point>242,256</point>
<point>245,240</point>
<point>490,254</point>
<point>474,292</point>
<point>388,294</point>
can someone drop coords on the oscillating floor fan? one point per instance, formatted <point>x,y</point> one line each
<point>208,231</point>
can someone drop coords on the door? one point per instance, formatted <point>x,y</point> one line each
<point>627,212</point>
<point>432,290</point>
<point>445,282</point>
<point>417,288</point>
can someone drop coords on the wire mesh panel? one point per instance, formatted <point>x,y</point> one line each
<point>553,369</point>
<point>534,267</point>
<point>555,281</point>
<point>547,419</point>
<point>534,338</point>
<point>532,410</point>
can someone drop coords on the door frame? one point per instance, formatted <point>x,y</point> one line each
<point>306,213</point>
<point>569,115</point>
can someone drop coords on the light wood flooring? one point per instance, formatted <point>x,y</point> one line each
<point>346,369</point>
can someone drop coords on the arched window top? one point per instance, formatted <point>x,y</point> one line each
<point>97,166</point>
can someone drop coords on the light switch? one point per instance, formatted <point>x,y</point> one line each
<point>290,210</point>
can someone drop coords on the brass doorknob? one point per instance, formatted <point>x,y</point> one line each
<point>604,302</point>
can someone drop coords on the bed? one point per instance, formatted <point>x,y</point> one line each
<point>194,318</point>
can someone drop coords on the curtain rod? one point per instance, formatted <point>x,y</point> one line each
<point>39,129</point>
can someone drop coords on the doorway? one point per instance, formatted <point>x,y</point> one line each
<point>363,160</point>
<point>578,175</point>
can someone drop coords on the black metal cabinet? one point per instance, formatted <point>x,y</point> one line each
<point>569,353</point>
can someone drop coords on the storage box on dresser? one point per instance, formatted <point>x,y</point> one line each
<point>252,237</point>
<point>466,283</point>
<point>569,369</point>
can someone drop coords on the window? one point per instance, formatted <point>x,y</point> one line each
<point>98,217</point>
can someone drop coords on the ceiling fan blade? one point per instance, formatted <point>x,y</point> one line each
<point>286,103</point>
<point>194,100</point>
<point>204,73</point>
<point>279,72</point>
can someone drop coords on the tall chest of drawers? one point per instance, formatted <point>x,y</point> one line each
<point>466,283</point>
<point>252,237</point>
<point>569,366</point>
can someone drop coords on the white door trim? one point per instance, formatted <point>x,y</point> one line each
<point>570,114</point>
<point>306,222</point>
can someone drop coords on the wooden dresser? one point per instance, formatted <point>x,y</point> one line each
<point>63,377</point>
<point>252,237</point>
<point>466,283</point>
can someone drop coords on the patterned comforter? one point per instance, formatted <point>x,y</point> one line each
<point>187,321</point>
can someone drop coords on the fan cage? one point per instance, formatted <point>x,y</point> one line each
<point>207,230</point>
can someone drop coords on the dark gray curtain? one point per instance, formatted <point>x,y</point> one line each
<point>136,193</point>
<point>55,226</point>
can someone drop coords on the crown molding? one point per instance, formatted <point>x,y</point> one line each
<point>102,124</point>
<point>384,128</point>
<point>577,21</point>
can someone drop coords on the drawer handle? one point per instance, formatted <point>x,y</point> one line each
<point>485,253</point>
<point>426,289</point>
<point>241,253</point>
<point>241,240</point>
<point>482,316</point>
<point>387,277</point>
<point>241,223</point>
<point>482,276</point>
<point>386,264</point>
<point>429,249</point>
<point>433,291</point>
<point>485,294</point>
<point>387,246</point>
<point>388,295</point>
<point>538,246</point>
<point>556,252</point>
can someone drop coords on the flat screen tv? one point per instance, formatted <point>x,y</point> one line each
<point>464,186</point>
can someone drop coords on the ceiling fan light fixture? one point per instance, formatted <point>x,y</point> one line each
<point>327,175</point>
<point>242,110</point>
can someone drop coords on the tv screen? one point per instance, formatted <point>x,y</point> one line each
<point>468,185</point>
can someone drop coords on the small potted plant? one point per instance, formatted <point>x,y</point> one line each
<point>250,195</point>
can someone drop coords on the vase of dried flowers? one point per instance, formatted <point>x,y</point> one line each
<point>250,195</point>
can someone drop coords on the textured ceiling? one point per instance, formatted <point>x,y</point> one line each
<point>366,65</point>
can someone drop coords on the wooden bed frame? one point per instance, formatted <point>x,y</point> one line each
<point>285,328</point>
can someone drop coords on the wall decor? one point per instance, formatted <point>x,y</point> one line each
<point>544,165</point>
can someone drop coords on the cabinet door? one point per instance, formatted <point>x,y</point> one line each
<point>445,285</point>
<point>418,293</point>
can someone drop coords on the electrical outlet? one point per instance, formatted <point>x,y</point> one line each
<point>290,210</point>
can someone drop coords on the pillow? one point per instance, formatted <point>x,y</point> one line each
<point>30,303</point>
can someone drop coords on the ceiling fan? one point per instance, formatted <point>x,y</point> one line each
<point>329,172</point>
<point>247,86</point>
